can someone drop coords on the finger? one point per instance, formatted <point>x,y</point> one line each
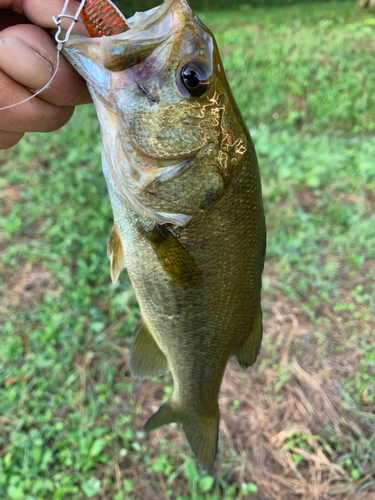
<point>10,18</point>
<point>28,66</point>
<point>28,55</point>
<point>9,139</point>
<point>41,12</point>
<point>16,5</point>
<point>35,115</point>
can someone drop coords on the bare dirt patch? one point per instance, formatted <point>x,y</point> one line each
<point>28,285</point>
<point>9,196</point>
<point>21,285</point>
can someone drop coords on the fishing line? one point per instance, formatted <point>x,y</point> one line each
<point>60,43</point>
<point>59,47</point>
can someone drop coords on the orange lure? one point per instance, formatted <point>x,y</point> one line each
<point>103,18</point>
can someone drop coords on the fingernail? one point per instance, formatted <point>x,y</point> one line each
<point>24,63</point>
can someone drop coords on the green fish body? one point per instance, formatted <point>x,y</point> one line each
<point>185,189</point>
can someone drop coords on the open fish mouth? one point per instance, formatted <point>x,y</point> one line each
<point>143,33</point>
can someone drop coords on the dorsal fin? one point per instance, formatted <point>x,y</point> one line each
<point>115,254</point>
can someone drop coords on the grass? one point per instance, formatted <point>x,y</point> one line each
<point>303,426</point>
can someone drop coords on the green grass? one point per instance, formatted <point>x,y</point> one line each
<point>304,79</point>
<point>301,66</point>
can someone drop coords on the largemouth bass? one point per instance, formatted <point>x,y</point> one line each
<point>185,189</point>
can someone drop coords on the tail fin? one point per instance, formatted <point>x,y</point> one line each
<point>201,431</point>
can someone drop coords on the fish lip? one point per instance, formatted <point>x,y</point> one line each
<point>145,26</point>
<point>147,31</point>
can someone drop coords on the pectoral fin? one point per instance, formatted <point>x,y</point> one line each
<point>115,254</point>
<point>146,358</point>
<point>173,256</point>
<point>249,350</point>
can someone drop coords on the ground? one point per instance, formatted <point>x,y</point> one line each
<point>299,424</point>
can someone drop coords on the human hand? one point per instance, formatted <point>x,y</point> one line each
<point>27,61</point>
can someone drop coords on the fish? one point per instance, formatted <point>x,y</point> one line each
<point>189,225</point>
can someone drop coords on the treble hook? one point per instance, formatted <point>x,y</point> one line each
<point>58,20</point>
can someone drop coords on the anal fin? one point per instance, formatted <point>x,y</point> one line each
<point>248,352</point>
<point>146,358</point>
<point>115,254</point>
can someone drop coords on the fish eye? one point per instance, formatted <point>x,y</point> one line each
<point>195,78</point>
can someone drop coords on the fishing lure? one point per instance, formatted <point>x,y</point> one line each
<point>103,18</point>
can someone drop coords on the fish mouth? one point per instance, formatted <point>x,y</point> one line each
<point>147,30</point>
